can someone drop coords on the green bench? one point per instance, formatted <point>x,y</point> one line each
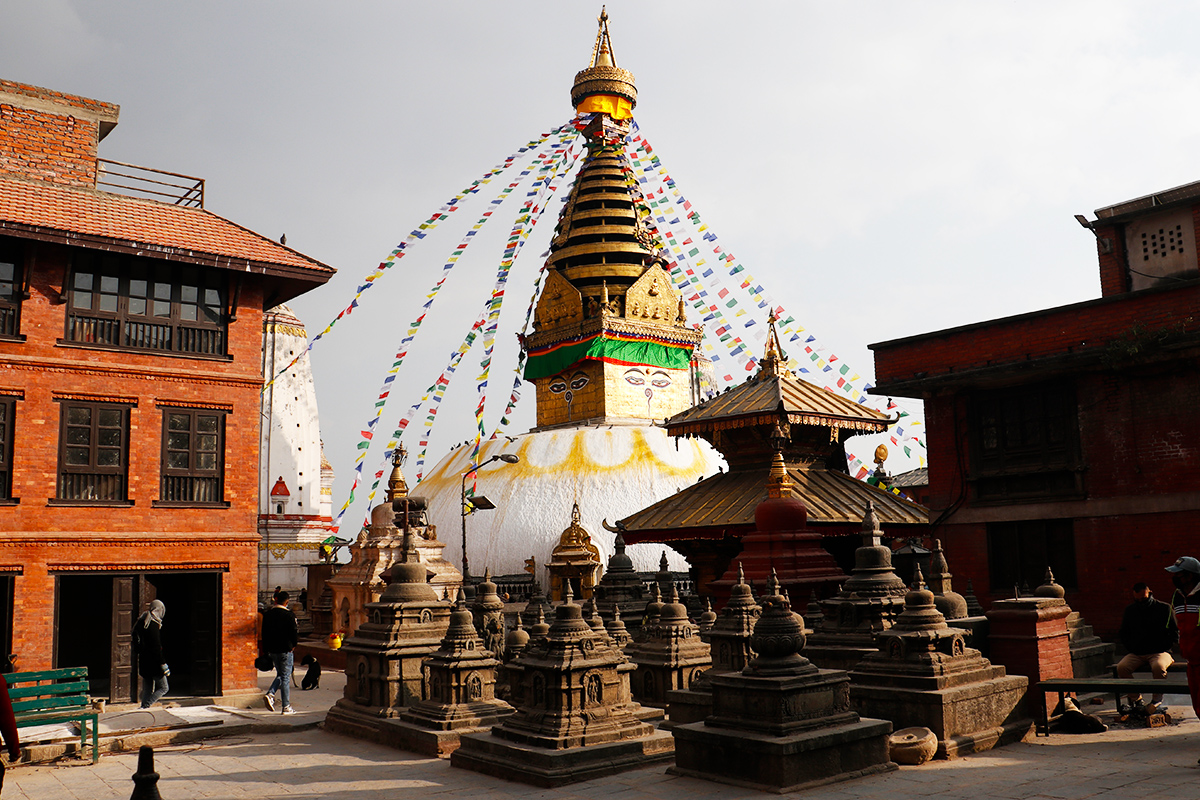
<point>52,696</point>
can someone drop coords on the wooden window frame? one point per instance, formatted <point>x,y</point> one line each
<point>146,305</point>
<point>66,494</point>
<point>12,289</point>
<point>191,481</point>
<point>8,411</point>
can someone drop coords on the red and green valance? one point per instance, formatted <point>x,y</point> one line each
<point>611,347</point>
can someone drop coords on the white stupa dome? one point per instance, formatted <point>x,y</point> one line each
<point>610,471</point>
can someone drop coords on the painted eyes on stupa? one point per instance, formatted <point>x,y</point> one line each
<point>578,381</point>
<point>558,384</point>
<point>658,379</point>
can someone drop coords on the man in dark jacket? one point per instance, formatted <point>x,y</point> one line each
<point>1148,632</point>
<point>147,640</point>
<point>279,638</point>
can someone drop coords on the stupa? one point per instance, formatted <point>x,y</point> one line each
<point>670,656</point>
<point>781,724</point>
<point>384,655</point>
<point>729,647</point>
<point>620,588</point>
<point>380,545</point>
<point>611,355</point>
<point>952,605</point>
<point>460,682</point>
<point>575,718</point>
<point>487,614</point>
<point>574,560</point>
<point>923,675</point>
<point>870,600</point>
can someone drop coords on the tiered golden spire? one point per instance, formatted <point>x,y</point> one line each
<point>773,362</point>
<point>397,486</point>
<point>603,86</point>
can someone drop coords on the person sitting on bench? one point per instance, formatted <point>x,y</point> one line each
<point>1148,632</point>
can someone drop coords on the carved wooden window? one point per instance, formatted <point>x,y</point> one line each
<point>1019,552</point>
<point>93,455</point>
<point>193,457</point>
<point>11,288</point>
<point>139,304</point>
<point>8,410</point>
<point>1024,443</point>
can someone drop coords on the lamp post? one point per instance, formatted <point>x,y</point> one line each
<point>478,503</point>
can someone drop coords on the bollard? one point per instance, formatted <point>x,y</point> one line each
<point>145,780</point>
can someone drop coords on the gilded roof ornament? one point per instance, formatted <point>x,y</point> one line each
<point>397,486</point>
<point>603,77</point>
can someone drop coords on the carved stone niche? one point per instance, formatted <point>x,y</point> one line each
<point>651,297</point>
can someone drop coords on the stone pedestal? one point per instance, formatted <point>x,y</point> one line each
<point>670,657</point>
<point>1029,637</point>
<point>459,697</point>
<point>923,676</point>
<point>870,599</point>
<point>781,725</point>
<point>575,717</point>
<point>384,656</point>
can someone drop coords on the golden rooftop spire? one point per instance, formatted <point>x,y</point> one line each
<point>604,87</point>
<point>772,362</point>
<point>602,55</point>
<point>397,486</point>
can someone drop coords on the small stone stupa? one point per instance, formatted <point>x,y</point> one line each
<point>729,646</point>
<point>671,655</point>
<point>782,724</point>
<point>383,657</point>
<point>870,599</point>
<point>460,682</point>
<point>923,675</point>
<point>487,613</point>
<point>575,560</point>
<point>952,605</point>
<point>537,601</point>
<point>575,717</point>
<point>620,586</point>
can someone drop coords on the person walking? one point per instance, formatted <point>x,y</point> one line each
<point>1148,632</point>
<point>147,640</point>
<point>280,635</point>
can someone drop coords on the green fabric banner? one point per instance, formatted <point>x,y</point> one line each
<point>616,351</point>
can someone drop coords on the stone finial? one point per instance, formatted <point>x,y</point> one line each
<point>918,581</point>
<point>516,640</point>
<point>569,595</point>
<point>920,610</point>
<point>616,628</point>
<point>778,638</point>
<point>663,566</point>
<point>974,607</point>
<point>871,532</point>
<point>1049,588</point>
<point>813,612</point>
<point>709,617</point>
<point>145,780</point>
<point>541,628</point>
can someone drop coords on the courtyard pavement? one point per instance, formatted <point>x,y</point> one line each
<point>306,763</point>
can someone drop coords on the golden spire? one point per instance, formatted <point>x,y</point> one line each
<point>779,482</point>
<point>772,362</point>
<point>604,87</point>
<point>397,486</point>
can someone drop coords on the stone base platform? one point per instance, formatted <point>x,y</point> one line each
<point>359,724</point>
<point>539,766</point>
<point>832,656</point>
<point>966,719</point>
<point>685,706</point>
<point>782,763</point>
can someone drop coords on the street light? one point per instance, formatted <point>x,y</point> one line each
<point>478,502</point>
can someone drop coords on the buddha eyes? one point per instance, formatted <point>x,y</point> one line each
<point>558,385</point>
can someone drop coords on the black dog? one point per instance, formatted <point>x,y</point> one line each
<point>312,679</point>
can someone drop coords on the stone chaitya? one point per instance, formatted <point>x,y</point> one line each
<point>729,646</point>
<point>575,718</point>
<point>383,658</point>
<point>923,675</point>
<point>870,599</point>
<point>487,613</point>
<point>952,605</point>
<point>670,655</point>
<point>781,724</point>
<point>460,682</point>
<point>620,586</point>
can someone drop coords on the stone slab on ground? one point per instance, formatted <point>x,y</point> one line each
<point>541,766</point>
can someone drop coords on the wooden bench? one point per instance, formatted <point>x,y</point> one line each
<point>52,696</point>
<point>1173,684</point>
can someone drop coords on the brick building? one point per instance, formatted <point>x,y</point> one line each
<point>130,372</point>
<point>1068,437</point>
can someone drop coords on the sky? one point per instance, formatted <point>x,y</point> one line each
<point>883,169</point>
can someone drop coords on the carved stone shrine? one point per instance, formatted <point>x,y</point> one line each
<point>670,656</point>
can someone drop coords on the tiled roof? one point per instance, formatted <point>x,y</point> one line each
<point>78,215</point>
<point>728,499</point>
<point>771,395</point>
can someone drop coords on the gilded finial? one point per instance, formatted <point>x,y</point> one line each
<point>772,362</point>
<point>397,486</point>
<point>779,483</point>
<point>575,514</point>
<point>603,86</point>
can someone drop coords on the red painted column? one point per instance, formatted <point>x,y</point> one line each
<point>1029,637</point>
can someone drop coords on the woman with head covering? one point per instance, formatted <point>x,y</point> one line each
<point>147,638</point>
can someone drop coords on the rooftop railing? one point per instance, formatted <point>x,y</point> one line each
<point>149,183</point>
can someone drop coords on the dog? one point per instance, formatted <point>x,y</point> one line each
<point>312,679</point>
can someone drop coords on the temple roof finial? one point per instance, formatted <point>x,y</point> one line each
<point>611,87</point>
<point>773,360</point>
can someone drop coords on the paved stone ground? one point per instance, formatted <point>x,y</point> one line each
<point>1123,763</point>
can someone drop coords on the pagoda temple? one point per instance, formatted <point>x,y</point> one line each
<point>611,355</point>
<point>707,520</point>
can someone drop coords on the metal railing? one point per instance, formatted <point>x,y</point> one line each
<point>82,486</point>
<point>191,489</point>
<point>170,337</point>
<point>149,183</point>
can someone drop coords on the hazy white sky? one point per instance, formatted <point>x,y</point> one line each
<point>884,169</point>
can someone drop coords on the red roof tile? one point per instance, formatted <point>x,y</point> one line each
<point>192,234</point>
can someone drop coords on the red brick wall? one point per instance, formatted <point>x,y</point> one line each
<point>38,535</point>
<point>59,148</point>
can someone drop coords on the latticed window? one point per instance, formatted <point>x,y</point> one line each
<point>193,459</point>
<point>93,452</point>
<point>138,304</point>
